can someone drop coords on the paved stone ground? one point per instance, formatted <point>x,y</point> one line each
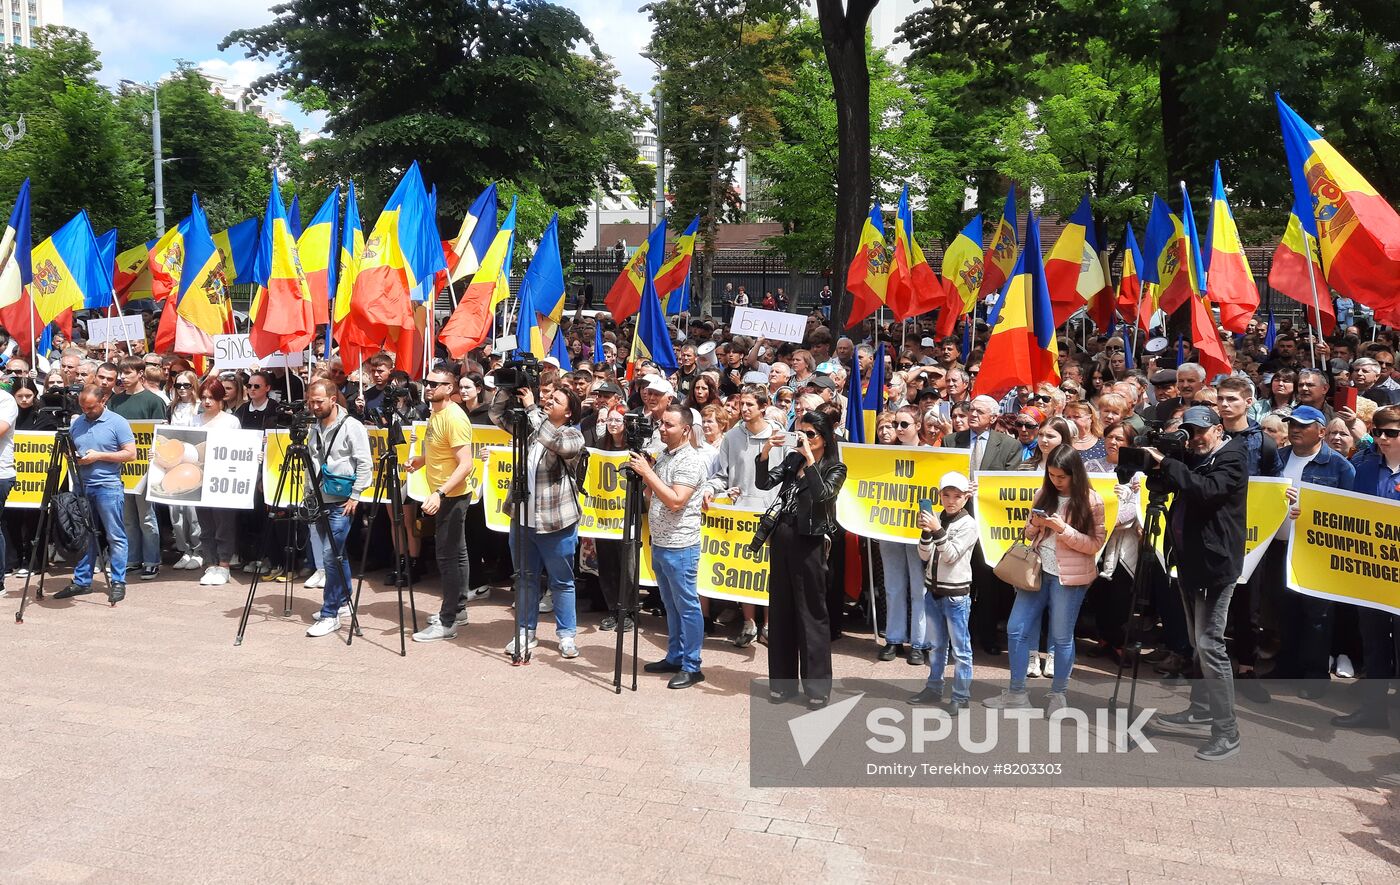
<point>140,746</point>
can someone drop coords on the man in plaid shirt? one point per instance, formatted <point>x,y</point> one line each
<point>552,511</point>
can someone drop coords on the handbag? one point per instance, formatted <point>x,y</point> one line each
<point>1020,566</point>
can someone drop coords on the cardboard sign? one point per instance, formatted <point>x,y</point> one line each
<point>775,325</point>
<point>236,352</point>
<point>33,451</point>
<point>100,330</point>
<point>194,467</point>
<point>134,472</point>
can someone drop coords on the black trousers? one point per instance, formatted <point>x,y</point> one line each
<point>1380,643</point>
<point>453,564</point>
<point>609,571</point>
<point>799,631</point>
<point>836,583</point>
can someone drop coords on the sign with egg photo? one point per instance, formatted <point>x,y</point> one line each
<point>193,467</point>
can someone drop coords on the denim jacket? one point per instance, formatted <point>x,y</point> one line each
<point>1327,469</point>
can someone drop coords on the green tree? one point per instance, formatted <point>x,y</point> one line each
<point>476,92</point>
<point>722,63</point>
<point>75,149</point>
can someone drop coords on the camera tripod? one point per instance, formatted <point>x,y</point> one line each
<point>296,467</point>
<point>1132,639</point>
<point>64,457</point>
<point>519,499</point>
<point>627,602</point>
<point>386,481</point>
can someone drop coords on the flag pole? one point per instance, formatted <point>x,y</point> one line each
<point>1137,323</point>
<point>1317,308</point>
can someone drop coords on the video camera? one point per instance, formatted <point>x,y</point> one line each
<point>521,372</point>
<point>61,403</point>
<point>637,428</point>
<point>1171,443</point>
<point>293,416</point>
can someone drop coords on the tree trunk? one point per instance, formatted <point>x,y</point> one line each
<point>843,38</point>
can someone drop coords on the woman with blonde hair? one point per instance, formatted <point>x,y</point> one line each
<point>1088,442</point>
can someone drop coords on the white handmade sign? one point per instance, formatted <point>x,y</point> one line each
<point>236,352</point>
<point>771,324</point>
<point>191,467</point>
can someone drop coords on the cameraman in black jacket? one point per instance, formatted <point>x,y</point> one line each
<point>1206,527</point>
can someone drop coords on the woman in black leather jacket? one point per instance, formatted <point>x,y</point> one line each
<point>799,629</point>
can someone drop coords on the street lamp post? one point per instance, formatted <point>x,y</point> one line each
<point>159,164</point>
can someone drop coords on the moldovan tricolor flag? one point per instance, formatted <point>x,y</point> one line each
<point>401,253</point>
<point>1357,231</point>
<point>1002,252</point>
<point>1229,282</point>
<point>355,344</point>
<point>673,280</point>
<point>17,313</point>
<point>69,271</point>
<point>166,260</point>
<point>1131,301</point>
<point>1022,347</point>
<point>131,273</point>
<point>1074,270</point>
<point>239,247</point>
<point>470,323</point>
<point>541,296</point>
<point>1206,337</point>
<point>282,314</point>
<point>651,340</point>
<point>1168,265</point>
<point>626,292</point>
<point>869,274</point>
<point>962,276</point>
<point>474,236</point>
<point>317,248</point>
<point>1289,274</point>
<point>913,288</point>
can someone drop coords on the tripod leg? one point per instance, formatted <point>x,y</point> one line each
<point>268,538</point>
<point>375,495</point>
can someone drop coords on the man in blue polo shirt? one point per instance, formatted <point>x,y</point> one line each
<point>103,442</point>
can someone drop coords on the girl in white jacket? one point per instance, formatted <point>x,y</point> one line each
<point>946,547</point>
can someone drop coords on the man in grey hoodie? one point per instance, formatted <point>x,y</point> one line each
<point>734,473</point>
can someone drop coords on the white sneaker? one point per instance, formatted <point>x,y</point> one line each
<point>326,626</point>
<point>531,642</point>
<point>1033,668</point>
<point>219,578</point>
<point>1048,671</point>
<point>435,631</point>
<point>547,603</point>
<point>344,610</point>
<point>1056,701</point>
<point>567,648</point>
<point>236,562</point>
<point>183,562</point>
<point>1345,668</point>
<point>317,580</point>
<point>20,573</point>
<point>208,577</point>
<point>1008,699</point>
<point>196,563</point>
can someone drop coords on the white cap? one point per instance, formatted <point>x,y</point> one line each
<point>927,342</point>
<point>660,385</point>
<point>552,360</point>
<point>755,377</point>
<point>953,480</point>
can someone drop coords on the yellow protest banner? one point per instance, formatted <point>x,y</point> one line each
<point>275,444</point>
<point>497,488</point>
<point>1265,511</point>
<point>605,495</point>
<point>33,449</point>
<point>884,485</point>
<point>728,568</point>
<point>1346,546</point>
<point>1004,499</point>
<point>133,472</point>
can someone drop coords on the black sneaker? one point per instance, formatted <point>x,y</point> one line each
<point>116,593</point>
<point>1219,749</point>
<point>73,590</point>
<point>608,624</point>
<point>917,657</point>
<point>928,697</point>
<point>1187,723</point>
<point>149,572</point>
<point>889,652</point>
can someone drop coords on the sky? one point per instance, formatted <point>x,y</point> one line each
<point>141,40</point>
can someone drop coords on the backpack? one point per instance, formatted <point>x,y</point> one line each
<point>72,521</point>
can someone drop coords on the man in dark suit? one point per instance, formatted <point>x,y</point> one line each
<point>991,450</point>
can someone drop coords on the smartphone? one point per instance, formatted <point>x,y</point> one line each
<point>925,505</point>
<point>1344,398</point>
<point>1041,513</point>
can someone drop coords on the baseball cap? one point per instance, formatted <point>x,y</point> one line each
<point>660,385</point>
<point>826,368</point>
<point>755,377</point>
<point>954,480</point>
<point>608,388</point>
<point>825,382</point>
<point>1307,415</point>
<point>927,342</point>
<point>1200,416</point>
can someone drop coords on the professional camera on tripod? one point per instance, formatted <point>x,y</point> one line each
<point>1137,459</point>
<point>637,430</point>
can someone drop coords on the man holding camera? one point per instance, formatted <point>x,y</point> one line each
<point>103,442</point>
<point>674,519</point>
<point>339,447</point>
<point>447,457</point>
<point>1206,525</point>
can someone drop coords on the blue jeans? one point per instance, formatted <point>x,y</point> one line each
<point>554,552</point>
<point>337,591</point>
<point>142,531</point>
<point>1064,603</point>
<point>106,504</point>
<point>685,627</point>
<point>947,619</point>
<point>904,591</point>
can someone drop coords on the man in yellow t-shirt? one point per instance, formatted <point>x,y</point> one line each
<point>447,459</point>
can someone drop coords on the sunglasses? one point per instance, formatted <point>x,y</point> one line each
<point>184,386</point>
<point>439,383</point>
<point>1026,425</point>
<point>810,434</point>
<point>1040,398</point>
<point>904,425</point>
<point>1387,432</point>
<point>14,371</point>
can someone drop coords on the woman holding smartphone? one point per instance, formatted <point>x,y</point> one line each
<point>905,620</point>
<point>1066,527</point>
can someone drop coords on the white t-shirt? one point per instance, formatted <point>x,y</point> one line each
<point>1293,472</point>
<point>9,414</point>
<point>221,421</point>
